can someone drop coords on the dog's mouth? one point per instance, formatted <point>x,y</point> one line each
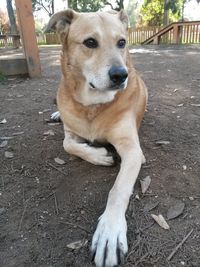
<point>117,87</point>
<point>111,87</point>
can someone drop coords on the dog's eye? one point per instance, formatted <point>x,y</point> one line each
<point>121,43</point>
<point>91,43</point>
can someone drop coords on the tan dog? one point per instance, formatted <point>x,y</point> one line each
<point>102,98</point>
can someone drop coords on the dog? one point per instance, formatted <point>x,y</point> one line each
<point>102,98</point>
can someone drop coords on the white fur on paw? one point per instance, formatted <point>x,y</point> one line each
<point>109,243</point>
<point>55,116</point>
<point>99,156</point>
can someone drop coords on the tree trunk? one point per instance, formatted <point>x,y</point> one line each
<point>183,9</point>
<point>11,16</point>
<point>166,13</point>
<point>13,25</point>
<point>121,4</point>
<point>166,17</point>
<point>52,8</point>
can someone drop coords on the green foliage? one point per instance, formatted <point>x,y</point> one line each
<point>94,5</point>
<point>152,11</point>
<point>3,78</point>
<point>115,5</point>
<point>86,5</point>
<point>132,11</point>
<point>77,5</point>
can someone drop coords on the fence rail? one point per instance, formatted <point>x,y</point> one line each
<point>179,32</point>
<point>139,35</point>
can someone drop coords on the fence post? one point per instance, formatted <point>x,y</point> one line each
<point>176,34</point>
<point>156,40</point>
<point>27,30</point>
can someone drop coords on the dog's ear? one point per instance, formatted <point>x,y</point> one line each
<point>124,18</point>
<point>60,22</point>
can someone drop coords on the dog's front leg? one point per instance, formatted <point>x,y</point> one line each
<point>78,146</point>
<point>109,244</point>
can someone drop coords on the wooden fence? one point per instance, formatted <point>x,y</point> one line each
<point>187,32</point>
<point>140,34</point>
<point>7,40</point>
<point>179,32</point>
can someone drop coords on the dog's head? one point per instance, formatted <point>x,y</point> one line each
<point>95,44</point>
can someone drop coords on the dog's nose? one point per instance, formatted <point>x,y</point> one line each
<point>118,75</point>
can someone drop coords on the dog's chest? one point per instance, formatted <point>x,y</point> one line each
<point>83,125</point>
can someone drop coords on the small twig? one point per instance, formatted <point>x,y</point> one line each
<point>56,203</point>
<point>134,247</point>
<point>141,259</point>
<point>22,217</point>
<point>3,184</point>
<point>54,167</point>
<point>77,226</point>
<point>179,245</point>
<point>144,228</point>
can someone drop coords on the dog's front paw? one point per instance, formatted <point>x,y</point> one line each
<point>109,243</point>
<point>100,156</point>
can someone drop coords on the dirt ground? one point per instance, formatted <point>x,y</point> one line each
<point>45,206</point>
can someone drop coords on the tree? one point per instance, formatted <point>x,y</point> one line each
<point>46,5</point>
<point>118,5</point>
<point>162,12</point>
<point>4,23</point>
<point>132,11</point>
<point>94,5</point>
<point>85,5</point>
<point>13,25</point>
<point>11,15</point>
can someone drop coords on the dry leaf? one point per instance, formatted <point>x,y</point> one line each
<point>160,220</point>
<point>9,155</point>
<point>184,167</point>
<point>137,197</point>
<point>52,123</point>
<point>59,161</point>
<point>3,121</point>
<point>78,244</point>
<point>161,142</point>
<point>175,210</point>
<point>145,183</point>
<point>17,133</point>
<point>150,206</point>
<point>195,105</point>
<point>49,132</point>
<point>3,143</point>
<point>6,138</point>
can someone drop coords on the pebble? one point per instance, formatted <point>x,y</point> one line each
<point>9,155</point>
<point>2,210</point>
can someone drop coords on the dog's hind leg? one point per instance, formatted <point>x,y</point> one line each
<point>77,146</point>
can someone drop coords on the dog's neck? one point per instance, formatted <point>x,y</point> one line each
<point>88,96</point>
